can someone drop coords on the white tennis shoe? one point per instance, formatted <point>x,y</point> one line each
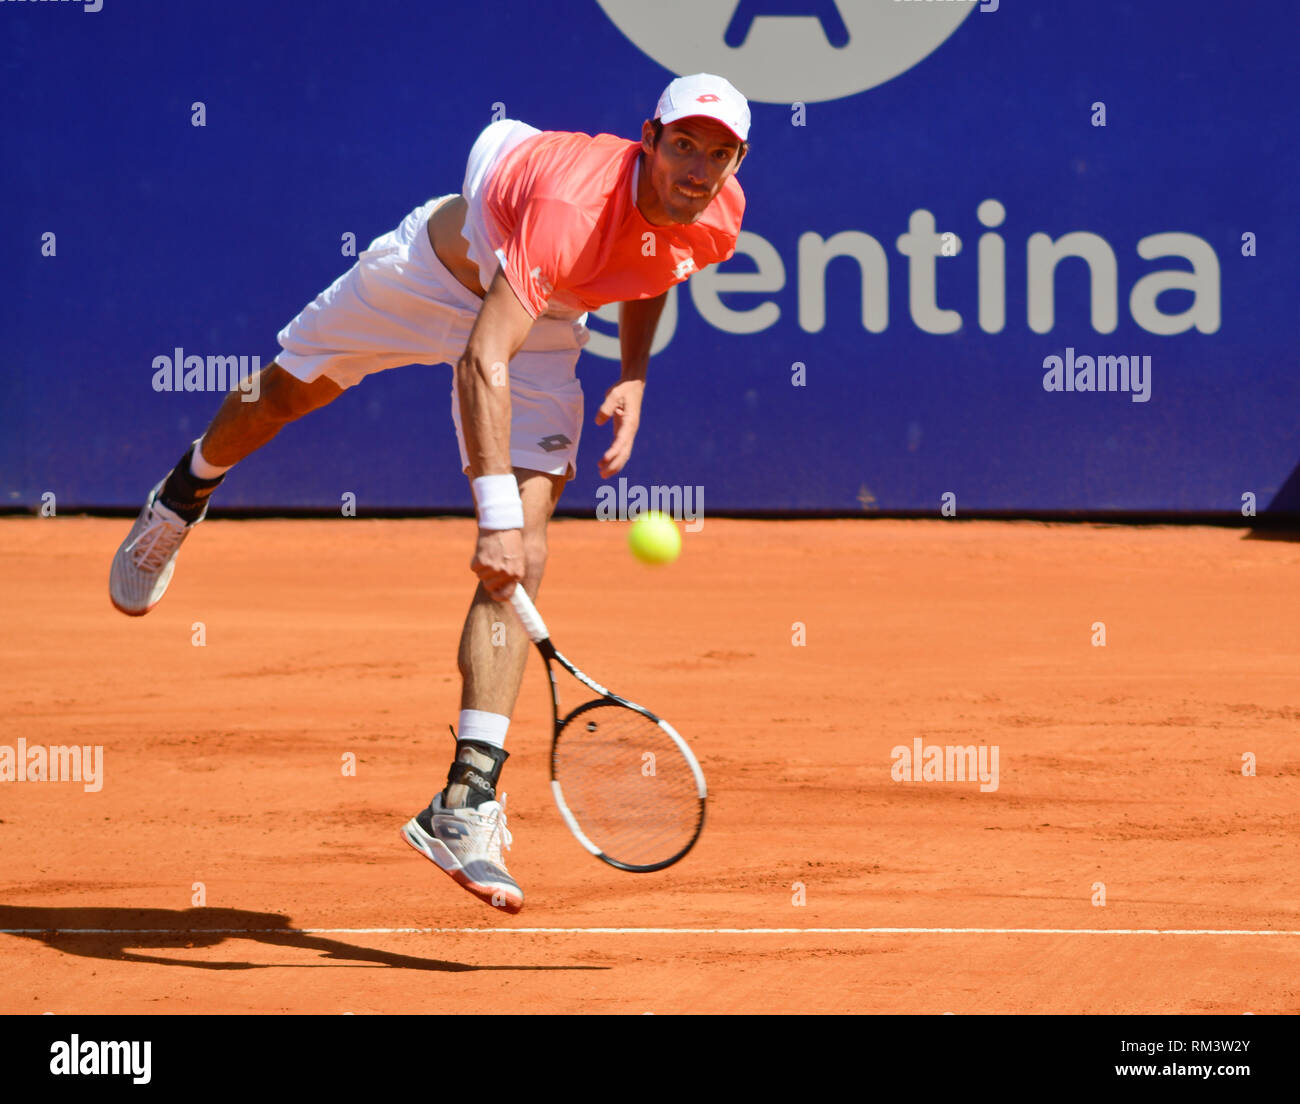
<point>466,843</point>
<point>146,560</point>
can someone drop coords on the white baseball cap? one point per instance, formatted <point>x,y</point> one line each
<point>705,94</point>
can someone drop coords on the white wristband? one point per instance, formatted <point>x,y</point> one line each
<point>499,504</point>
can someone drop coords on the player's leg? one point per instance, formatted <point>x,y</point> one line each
<point>146,559</point>
<point>492,654</point>
<point>493,646</point>
<point>239,429</point>
<point>387,310</point>
<point>463,830</point>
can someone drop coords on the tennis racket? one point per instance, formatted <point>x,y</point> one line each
<point>626,783</point>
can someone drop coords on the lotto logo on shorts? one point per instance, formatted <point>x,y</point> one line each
<point>554,443</point>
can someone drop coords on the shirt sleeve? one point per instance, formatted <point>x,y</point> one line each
<point>549,238</point>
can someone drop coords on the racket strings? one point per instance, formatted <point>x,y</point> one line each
<point>627,784</point>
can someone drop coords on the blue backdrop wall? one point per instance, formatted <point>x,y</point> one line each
<point>976,125</point>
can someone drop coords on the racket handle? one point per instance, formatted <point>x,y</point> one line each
<point>533,624</point>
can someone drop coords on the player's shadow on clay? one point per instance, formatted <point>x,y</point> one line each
<point>116,934</point>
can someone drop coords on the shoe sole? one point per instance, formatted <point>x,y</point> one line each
<point>138,612</point>
<point>130,612</point>
<point>437,853</point>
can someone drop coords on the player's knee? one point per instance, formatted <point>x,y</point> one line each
<point>534,558</point>
<point>286,398</point>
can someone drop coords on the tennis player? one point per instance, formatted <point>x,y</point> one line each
<point>496,280</point>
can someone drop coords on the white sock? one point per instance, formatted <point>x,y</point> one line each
<point>486,728</point>
<point>200,468</point>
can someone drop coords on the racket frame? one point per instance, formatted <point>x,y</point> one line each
<point>540,636</point>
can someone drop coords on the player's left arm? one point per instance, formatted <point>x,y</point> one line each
<point>637,322</point>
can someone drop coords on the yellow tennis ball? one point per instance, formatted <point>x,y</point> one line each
<point>654,539</point>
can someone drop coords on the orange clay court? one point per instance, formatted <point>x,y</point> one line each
<point>223,765</point>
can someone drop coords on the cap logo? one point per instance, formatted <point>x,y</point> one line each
<point>708,97</point>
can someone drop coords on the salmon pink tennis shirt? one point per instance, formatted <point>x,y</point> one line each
<point>561,216</point>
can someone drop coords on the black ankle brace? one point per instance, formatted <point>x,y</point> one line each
<point>482,784</point>
<point>184,492</point>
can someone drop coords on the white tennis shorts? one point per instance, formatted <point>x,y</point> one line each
<point>399,305</point>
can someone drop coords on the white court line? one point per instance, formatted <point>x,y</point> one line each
<point>644,931</point>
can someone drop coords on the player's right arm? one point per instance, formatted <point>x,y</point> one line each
<point>483,383</point>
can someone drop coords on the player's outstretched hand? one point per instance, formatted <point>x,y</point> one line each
<point>623,404</point>
<point>499,561</point>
